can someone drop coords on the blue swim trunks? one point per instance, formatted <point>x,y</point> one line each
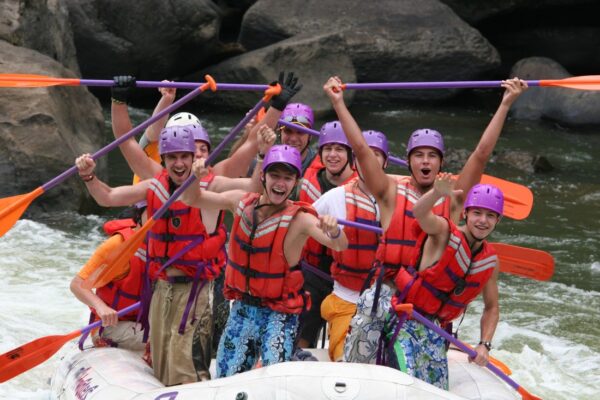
<point>252,332</point>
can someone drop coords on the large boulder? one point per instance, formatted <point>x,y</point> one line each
<point>387,41</point>
<point>566,106</point>
<point>313,57</point>
<point>151,39</point>
<point>39,25</point>
<point>42,130</point>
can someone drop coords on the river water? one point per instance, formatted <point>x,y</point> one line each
<point>549,331</point>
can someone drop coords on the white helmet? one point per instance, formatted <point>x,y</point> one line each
<point>183,119</point>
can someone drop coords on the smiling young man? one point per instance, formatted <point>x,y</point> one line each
<point>335,154</point>
<point>262,275</point>
<point>396,197</point>
<point>180,312</point>
<point>452,266</point>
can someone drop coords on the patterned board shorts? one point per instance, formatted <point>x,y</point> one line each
<point>252,332</point>
<point>420,351</point>
<point>365,330</point>
<point>423,353</point>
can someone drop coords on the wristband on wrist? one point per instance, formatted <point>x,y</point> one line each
<point>117,101</point>
<point>487,345</point>
<point>337,235</point>
<point>87,178</point>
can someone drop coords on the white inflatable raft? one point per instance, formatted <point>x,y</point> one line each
<point>109,373</point>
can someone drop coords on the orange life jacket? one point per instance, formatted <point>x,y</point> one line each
<point>258,272</point>
<point>397,243</point>
<point>315,253</point>
<point>351,266</point>
<point>444,289</point>
<point>124,292</point>
<point>178,227</point>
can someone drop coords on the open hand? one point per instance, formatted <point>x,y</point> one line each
<point>444,185</point>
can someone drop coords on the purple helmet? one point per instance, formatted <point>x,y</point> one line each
<point>199,134</point>
<point>425,138</point>
<point>377,140</point>
<point>283,154</point>
<point>486,196</point>
<point>332,132</point>
<point>175,139</point>
<point>300,113</point>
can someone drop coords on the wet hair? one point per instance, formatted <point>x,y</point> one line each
<point>134,213</point>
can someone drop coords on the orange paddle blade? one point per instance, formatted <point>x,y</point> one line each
<point>518,199</point>
<point>25,357</point>
<point>590,82</point>
<point>528,263</point>
<point>28,80</point>
<point>525,395</point>
<point>11,208</point>
<point>118,260</point>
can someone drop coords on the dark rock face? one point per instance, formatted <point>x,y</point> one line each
<point>148,39</point>
<point>564,30</point>
<point>39,25</point>
<point>385,42</point>
<point>314,58</point>
<point>566,106</point>
<point>42,130</point>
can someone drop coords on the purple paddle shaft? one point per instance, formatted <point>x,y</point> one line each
<point>463,347</point>
<point>230,136</point>
<point>122,312</point>
<point>299,128</point>
<point>429,85</point>
<point>116,143</point>
<point>176,85</point>
<point>397,161</point>
<point>358,225</point>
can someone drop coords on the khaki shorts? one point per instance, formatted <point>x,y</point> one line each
<point>177,358</point>
<point>125,335</point>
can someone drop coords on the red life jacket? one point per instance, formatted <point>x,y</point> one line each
<point>315,253</point>
<point>258,272</point>
<point>398,242</point>
<point>444,289</point>
<point>177,228</point>
<point>124,292</point>
<point>351,266</point>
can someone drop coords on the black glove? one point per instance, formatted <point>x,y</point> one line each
<point>289,88</point>
<point>122,88</point>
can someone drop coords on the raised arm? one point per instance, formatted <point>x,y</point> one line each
<point>489,318</point>
<point>135,156</point>
<point>196,197</point>
<point>473,168</point>
<point>237,165</point>
<point>152,133</point>
<point>378,183</point>
<point>432,224</point>
<point>266,139</point>
<point>105,195</point>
